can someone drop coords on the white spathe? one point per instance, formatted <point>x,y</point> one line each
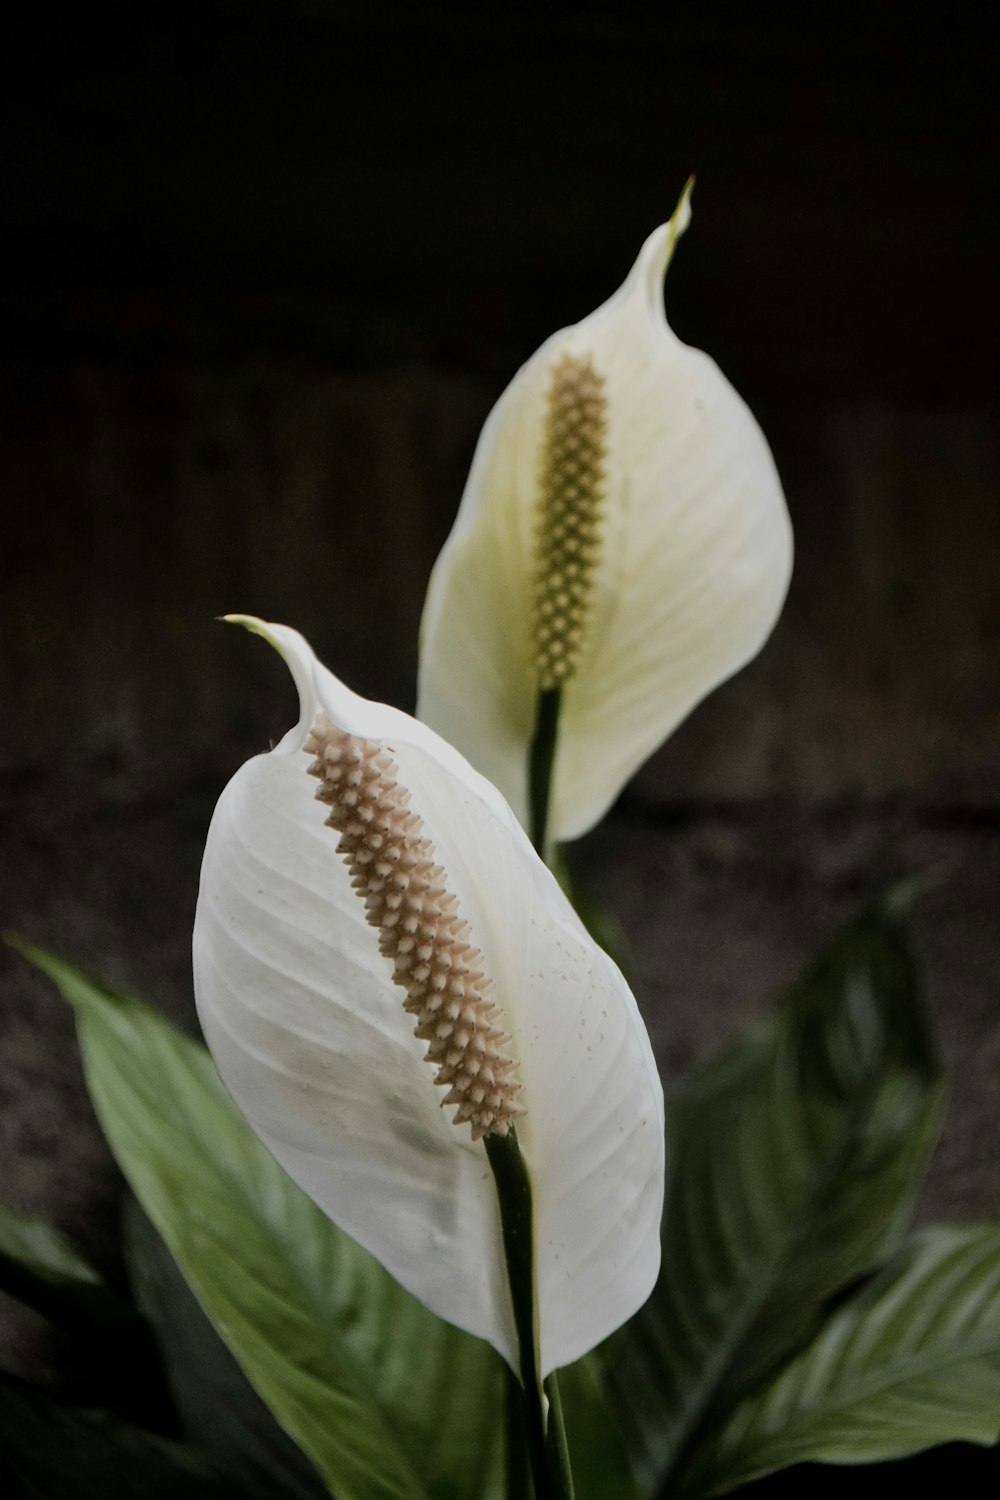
<point>307,1028</point>
<point>695,562</point>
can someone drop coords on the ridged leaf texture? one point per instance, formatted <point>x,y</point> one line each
<point>386,1399</point>
<point>221,1415</point>
<point>54,1452</point>
<point>794,1161</point>
<point>909,1361</point>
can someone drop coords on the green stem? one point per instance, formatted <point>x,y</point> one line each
<point>541,759</point>
<point>516,1453</point>
<point>555,1436</point>
<point>547,1453</point>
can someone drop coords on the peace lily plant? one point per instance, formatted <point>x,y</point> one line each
<point>344,964</point>
<point>432,1173</point>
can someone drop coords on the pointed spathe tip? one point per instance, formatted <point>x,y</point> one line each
<point>287,642</point>
<point>297,655</point>
<point>681,216</point>
<point>678,222</point>
<point>249,622</point>
<point>656,254</point>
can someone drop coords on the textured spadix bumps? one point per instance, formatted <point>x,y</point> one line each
<point>419,926</point>
<point>310,1016</point>
<point>568,523</point>
<point>671,495</point>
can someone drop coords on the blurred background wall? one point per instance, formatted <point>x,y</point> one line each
<point>269,265</point>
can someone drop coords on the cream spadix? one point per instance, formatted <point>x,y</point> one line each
<point>623,537</point>
<point>382,991</point>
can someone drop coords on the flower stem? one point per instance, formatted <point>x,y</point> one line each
<point>555,1435</point>
<point>541,759</point>
<point>515,1450</point>
<point>547,1452</point>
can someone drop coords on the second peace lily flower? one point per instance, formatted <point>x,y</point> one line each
<point>622,543</point>
<point>350,955</point>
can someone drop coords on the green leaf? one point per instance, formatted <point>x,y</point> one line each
<point>387,1400</point>
<point>795,1161</point>
<point>909,1361</point>
<point>221,1414</point>
<point>52,1452</point>
<point>41,1252</point>
<point>601,1466</point>
<point>39,1268</point>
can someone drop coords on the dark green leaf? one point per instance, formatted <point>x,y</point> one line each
<point>910,1360</point>
<point>221,1414</point>
<point>40,1269</point>
<point>50,1452</point>
<point>387,1400</point>
<point>40,1251</point>
<point>794,1163</point>
<point>600,1464</point>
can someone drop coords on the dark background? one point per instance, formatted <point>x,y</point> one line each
<point>269,265</point>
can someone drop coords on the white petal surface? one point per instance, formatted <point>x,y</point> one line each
<point>695,561</point>
<point>307,1028</point>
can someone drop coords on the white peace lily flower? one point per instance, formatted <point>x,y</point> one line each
<point>307,948</point>
<point>622,536</point>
